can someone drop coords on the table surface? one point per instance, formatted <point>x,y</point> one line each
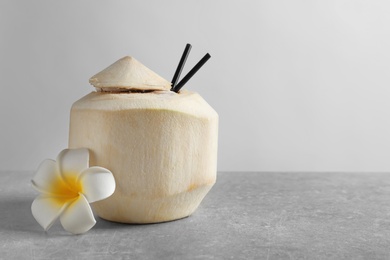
<point>245,216</point>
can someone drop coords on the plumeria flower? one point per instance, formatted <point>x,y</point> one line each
<point>67,186</point>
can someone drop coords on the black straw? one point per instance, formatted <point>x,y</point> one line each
<point>191,73</point>
<point>181,65</point>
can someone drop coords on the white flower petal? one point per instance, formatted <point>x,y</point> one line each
<point>46,174</point>
<point>72,162</point>
<point>78,217</point>
<point>98,183</point>
<point>46,210</point>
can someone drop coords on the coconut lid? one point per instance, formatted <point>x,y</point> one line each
<point>128,74</point>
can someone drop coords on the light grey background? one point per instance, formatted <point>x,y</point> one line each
<point>299,85</point>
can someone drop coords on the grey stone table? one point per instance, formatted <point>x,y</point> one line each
<point>245,216</point>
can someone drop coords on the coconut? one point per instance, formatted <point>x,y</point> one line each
<point>161,146</point>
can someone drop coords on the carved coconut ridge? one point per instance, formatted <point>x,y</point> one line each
<point>128,74</point>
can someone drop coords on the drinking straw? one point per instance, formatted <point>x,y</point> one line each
<point>180,65</point>
<point>191,73</point>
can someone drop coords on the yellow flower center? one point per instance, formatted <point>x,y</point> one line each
<point>66,190</point>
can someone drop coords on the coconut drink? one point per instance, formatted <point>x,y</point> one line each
<point>160,144</point>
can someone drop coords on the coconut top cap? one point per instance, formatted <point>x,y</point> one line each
<point>128,74</point>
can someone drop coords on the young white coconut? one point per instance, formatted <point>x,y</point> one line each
<point>161,146</point>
